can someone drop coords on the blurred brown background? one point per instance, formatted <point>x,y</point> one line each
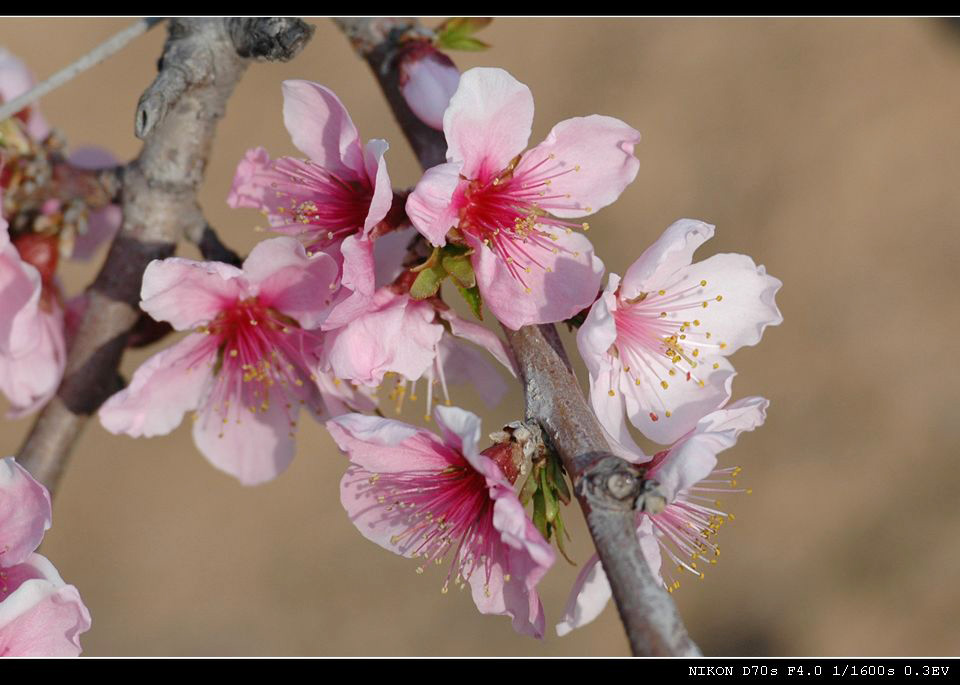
<point>826,149</point>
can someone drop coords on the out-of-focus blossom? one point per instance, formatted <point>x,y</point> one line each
<point>40,615</point>
<point>333,200</point>
<point>656,342</point>
<point>684,530</point>
<point>247,368</point>
<point>513,208</point>
<point>32,348</point>
<point>430,497</point>
<point>428,79</point>
<point>15,80</point>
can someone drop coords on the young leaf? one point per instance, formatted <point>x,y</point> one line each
<point>539,514</point>
<point>460,268</point>
<point>428,282</point>
<point>551,507</point>
<point>473,298</point>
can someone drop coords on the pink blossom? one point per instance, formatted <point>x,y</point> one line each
<point>513,207</point>
<point>427,497</point>
<point>684,530</point>
<point>15,80</point>
<point>415,339</point>
<point>331,201</point>
<point>656,343</point>
<point>40,615</point>
<point>32,348</point>
<point>428,79</point>
<point>248,367</point>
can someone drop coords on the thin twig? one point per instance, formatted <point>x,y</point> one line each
<point>159,200</point>
<point>110,46</point>
<point>609,489</point>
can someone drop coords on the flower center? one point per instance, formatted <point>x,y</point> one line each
<point>260,352</point>
<point>510,214</point>
<point>324,207</point>
<point>660,342</point>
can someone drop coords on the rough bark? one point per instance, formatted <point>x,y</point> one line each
<point>610,490</point>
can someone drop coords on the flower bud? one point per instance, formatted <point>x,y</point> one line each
<point>428,79</point>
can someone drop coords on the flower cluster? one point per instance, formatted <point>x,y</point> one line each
<point>346,301</point>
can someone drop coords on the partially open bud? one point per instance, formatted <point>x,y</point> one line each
<point>428,79</point>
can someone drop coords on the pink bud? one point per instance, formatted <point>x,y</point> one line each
<point>428,78</point>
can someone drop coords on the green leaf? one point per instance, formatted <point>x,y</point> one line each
<point>561,532</point>
<point>459,266</point>
<point>530,486</point>
<point>428,282</point>
<point>551,507</point>
<point>473,298</point>
<point>465,43</point>
<point>558,481</point>
<point>539,514</point>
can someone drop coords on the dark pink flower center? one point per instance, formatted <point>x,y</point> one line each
<point>261,356</point>
<point>319,205</point>
<point>510,214</point>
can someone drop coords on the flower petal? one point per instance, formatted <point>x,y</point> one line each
<point>358,282</point>
<point>588,159</point>
<point>321,128</point>
<point>29,379</point>
<point>461,430</point>
<point>488,121</point>
<point>253,448</point>
<point>430,206</point>
<point>386,446</point>
<point>187,293</point>
<point>162,390</point>
<point>40,615</point>
<point>376,170</point>
<point>588,597</point>
<point>570,285</point>
<point>673,250</point>
<point>25,513</point>
<point>280,272</point>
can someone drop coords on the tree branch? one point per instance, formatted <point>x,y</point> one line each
<point>203,59</point>
<point>610,490</point>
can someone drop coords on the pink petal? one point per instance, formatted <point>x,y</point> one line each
<point>253,448</point>
<point>29,379</point>
<point>376,169</point>
<point>397,334</point>
<point>747,295</point>
<point>462,431</point>
<point>40,615</point>
<point>389,251</point>
<point>695,456</point>
<point>165,387</point>
<point>598,332</point>
<point>570,286</point>
<point>188,293</point>
<point>280,272</point>
<point>251,181</point>
<point>466,365</point>
<point>19,298</point>
<point>686,400</point>
<point>488,122</point>
<point>358,282</point>
<point>672,251</point>
<point>482,336</point>
<point>386,446</point>
<point>321,128</point>
<point>590,159</point>
<point>103,223</point>
<point>430,206</point>
<point>25,513</point>
<point>588,597</point>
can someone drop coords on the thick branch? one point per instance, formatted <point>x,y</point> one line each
<point>610,490</point>
<point>177,118</point>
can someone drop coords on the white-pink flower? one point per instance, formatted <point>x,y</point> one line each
<point>432,498</point>
<point>333,200</point>
<point>248,367</point>
<point>684,530</point>
<point>40,615</point>
<point>15,80</point>
<point>656,342</point>
<point>514,207</point>
<point>415,339</point>
<point>32,347</point>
